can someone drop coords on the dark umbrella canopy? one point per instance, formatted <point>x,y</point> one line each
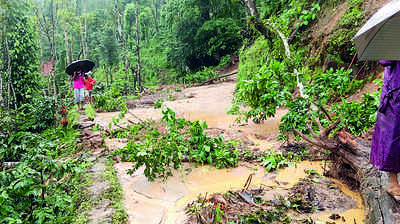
<point>84,65</point>
<point>379,39</point>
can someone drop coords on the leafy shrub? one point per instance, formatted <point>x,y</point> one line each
<point>109,101</point>
<point>39,189</point>
<point>327,88</point>
<point>309,15</point>
<point>162,152</point>
<point>90,111</point>
<point>158,103</point>
<point>276,160</point>
<point>252,59</point>
<point>200,76</point>
<point>266,90</point>
<point>358,117</point>
<point>219,37</point>
<point>39,115</point>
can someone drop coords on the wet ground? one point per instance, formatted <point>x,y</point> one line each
<point>164,202</point>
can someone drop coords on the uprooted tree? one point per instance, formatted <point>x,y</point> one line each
<point>319,114</point>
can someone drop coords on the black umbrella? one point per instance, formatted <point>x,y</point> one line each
<point>84,65</point>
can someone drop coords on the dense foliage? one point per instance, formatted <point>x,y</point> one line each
<point>163,150</point>
<point>271,77</point>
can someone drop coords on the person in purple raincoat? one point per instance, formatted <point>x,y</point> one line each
<point>385,148</point>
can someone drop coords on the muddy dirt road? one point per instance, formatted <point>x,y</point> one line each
<point>164,202</point>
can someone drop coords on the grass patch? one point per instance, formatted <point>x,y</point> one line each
<point>165,147</point>
<point>90,111</point>
<point>115,195</point>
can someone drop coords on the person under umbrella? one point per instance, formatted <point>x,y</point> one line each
<point>78,88</point>
<point>89,81</point>
<point>385,147</point>
<point>376,40</point>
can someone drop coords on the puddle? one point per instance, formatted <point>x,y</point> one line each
<point>355,215</point>
<point>164,202</point>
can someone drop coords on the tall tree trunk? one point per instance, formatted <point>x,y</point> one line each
<point>122,42</point>
<point>155,4</point>
<point>66,43</point>
<point>72,47</point>
<point>111,75</point>
<point>2,57</point>
<point>70,87</point>
<point>1,87</point>
<point>85,43</point>
<point>251,4</point>
<point>105,71</point>
<point>138,69</point>
<point>54,53</point>
<point>82,36</point>
<point>8,73</point>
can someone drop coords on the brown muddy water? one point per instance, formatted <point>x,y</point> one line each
<point>164,202</point>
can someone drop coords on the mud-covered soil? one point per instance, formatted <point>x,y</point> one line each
<point>310,196</point>
<point>144,199</point>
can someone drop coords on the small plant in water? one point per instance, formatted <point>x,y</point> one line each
<point>158,103</point>
<point>163,151</point>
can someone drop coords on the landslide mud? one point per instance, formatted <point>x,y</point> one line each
<point>164,202</point>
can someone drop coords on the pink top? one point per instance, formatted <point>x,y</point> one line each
<point>78,83</point>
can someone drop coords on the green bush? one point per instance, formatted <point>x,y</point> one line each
<point>109,101</point>
<point>41,188</point>
<point>160,153</point>
<point>200,76</point>
<point>158,103</point>
<point>39,115</point>
<point>90,111</point>
<point>219,37</point>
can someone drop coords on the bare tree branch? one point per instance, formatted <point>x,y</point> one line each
<point>318,123</point>
<point>328,129</point>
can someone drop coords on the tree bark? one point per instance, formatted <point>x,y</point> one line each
<point>134,77</point>
<point>1,73</point>
<point>251,4</point>
<point>86,49</point>
<point>9,74</point>
<point>122,42</point>
<point>138,69</point>
<point>350,156</point>
<point>111,75</point>
<point>82,36</point>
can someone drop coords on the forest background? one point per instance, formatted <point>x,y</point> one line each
<point>288,57</point>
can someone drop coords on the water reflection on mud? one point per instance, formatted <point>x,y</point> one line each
<point>164,202</point>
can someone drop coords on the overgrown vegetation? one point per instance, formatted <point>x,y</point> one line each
<point>115,195</point>
<point>53,186</point>
<point>269,78</point>
<point>272,160</point>
<point>164,149</point>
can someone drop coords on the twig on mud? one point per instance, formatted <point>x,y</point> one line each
<point>131,121</point>
<point>216,78</point>
<point>141,121</point>
<point>121,127</point>
<point>204,200</point>
<point>248,182</point>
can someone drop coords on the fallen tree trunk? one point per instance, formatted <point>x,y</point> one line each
<point>8,165</point>
<point>350,156</point>
<point>380,207</point>
<point>216,78</point>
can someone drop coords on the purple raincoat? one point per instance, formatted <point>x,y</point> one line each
<point>385,149</point>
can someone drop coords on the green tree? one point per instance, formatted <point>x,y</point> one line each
<point>20,52</point>
<point>110,50</point>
